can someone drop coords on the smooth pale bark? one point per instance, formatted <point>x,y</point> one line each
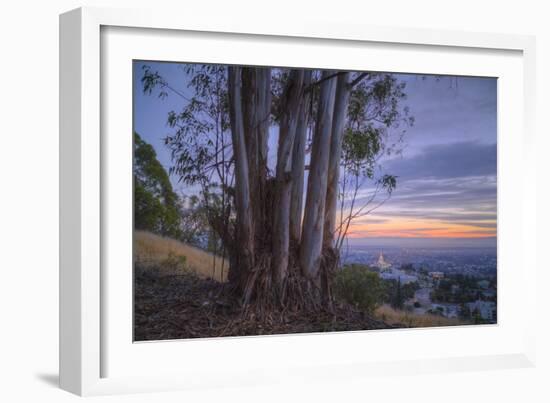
<point>244,225</point>
<point>314,214</point>
<point>264,116</point>
<point>256,104</point>
<point>298,165</point>
<point>287,133</point>
<point>343,90</point>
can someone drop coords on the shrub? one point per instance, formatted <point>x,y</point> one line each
<point>174,263</point>
<point>358,286</point>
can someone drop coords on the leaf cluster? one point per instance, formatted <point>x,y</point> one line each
<point>155,201</point>
<point>357,285</point>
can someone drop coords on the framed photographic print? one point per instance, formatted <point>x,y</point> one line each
<point>244,197</point>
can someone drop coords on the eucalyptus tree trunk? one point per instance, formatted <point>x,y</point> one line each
<point>314,214</point>
<point>343,91</point>
<point>268,220</point>
<point>298,164</point>
<point>244,261</point>
<point>281,220</point>
<point>256,104</point>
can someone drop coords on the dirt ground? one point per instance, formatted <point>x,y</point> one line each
<point>185,306</point>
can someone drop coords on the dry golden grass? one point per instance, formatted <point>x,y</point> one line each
<point>395,317</point>
<point>163,253</point>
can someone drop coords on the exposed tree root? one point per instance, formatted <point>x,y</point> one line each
<point>184,306</point>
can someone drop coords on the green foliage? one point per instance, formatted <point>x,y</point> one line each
<point>362,287</point>
<point>375,126</point>
<point>395,293</point>
<point>155,203</point>
<point>200,139</point>
<point>360,148</point>
<point>147,209</point>
<point>407,268</point>
<point>388,182</point>
<point>194,221</point>
<point>465,312</point>
<point>201,150</point>
<point>175,263</point>
<point>457,289</point>
<point>359,286</point>
<point>375,110</point>
<point>200,142</point>
<point>398,299</point>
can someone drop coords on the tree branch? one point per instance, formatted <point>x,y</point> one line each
<point>318,82</point>
<point>358,79</point>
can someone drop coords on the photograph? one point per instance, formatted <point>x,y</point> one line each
<point>273,200</point>
<point>292,201</point>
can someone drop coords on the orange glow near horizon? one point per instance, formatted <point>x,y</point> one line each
<point>399,227</point>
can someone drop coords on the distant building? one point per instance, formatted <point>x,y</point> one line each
<point>487,309</point>
<point>483,284</point>
<point>489,294</point>
<point>436,275</point>
<point>393,274</point>
<point>447,310</point>
<point>381,263</point>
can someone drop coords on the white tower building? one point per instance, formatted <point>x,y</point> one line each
<point>381,263</point>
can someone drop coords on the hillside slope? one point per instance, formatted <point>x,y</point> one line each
<point>165,254</point>
<point>401,318</point>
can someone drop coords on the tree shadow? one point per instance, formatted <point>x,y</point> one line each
<point>49,379</point>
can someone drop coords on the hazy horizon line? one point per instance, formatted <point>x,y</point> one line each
<point>482,242</point>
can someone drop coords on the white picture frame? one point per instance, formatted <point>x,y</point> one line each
<point>87,343</point>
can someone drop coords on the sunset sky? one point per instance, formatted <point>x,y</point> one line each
<point>446,186</point>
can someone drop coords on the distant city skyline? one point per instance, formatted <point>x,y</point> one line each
<point>446,175</point>
<point>417,242</point>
